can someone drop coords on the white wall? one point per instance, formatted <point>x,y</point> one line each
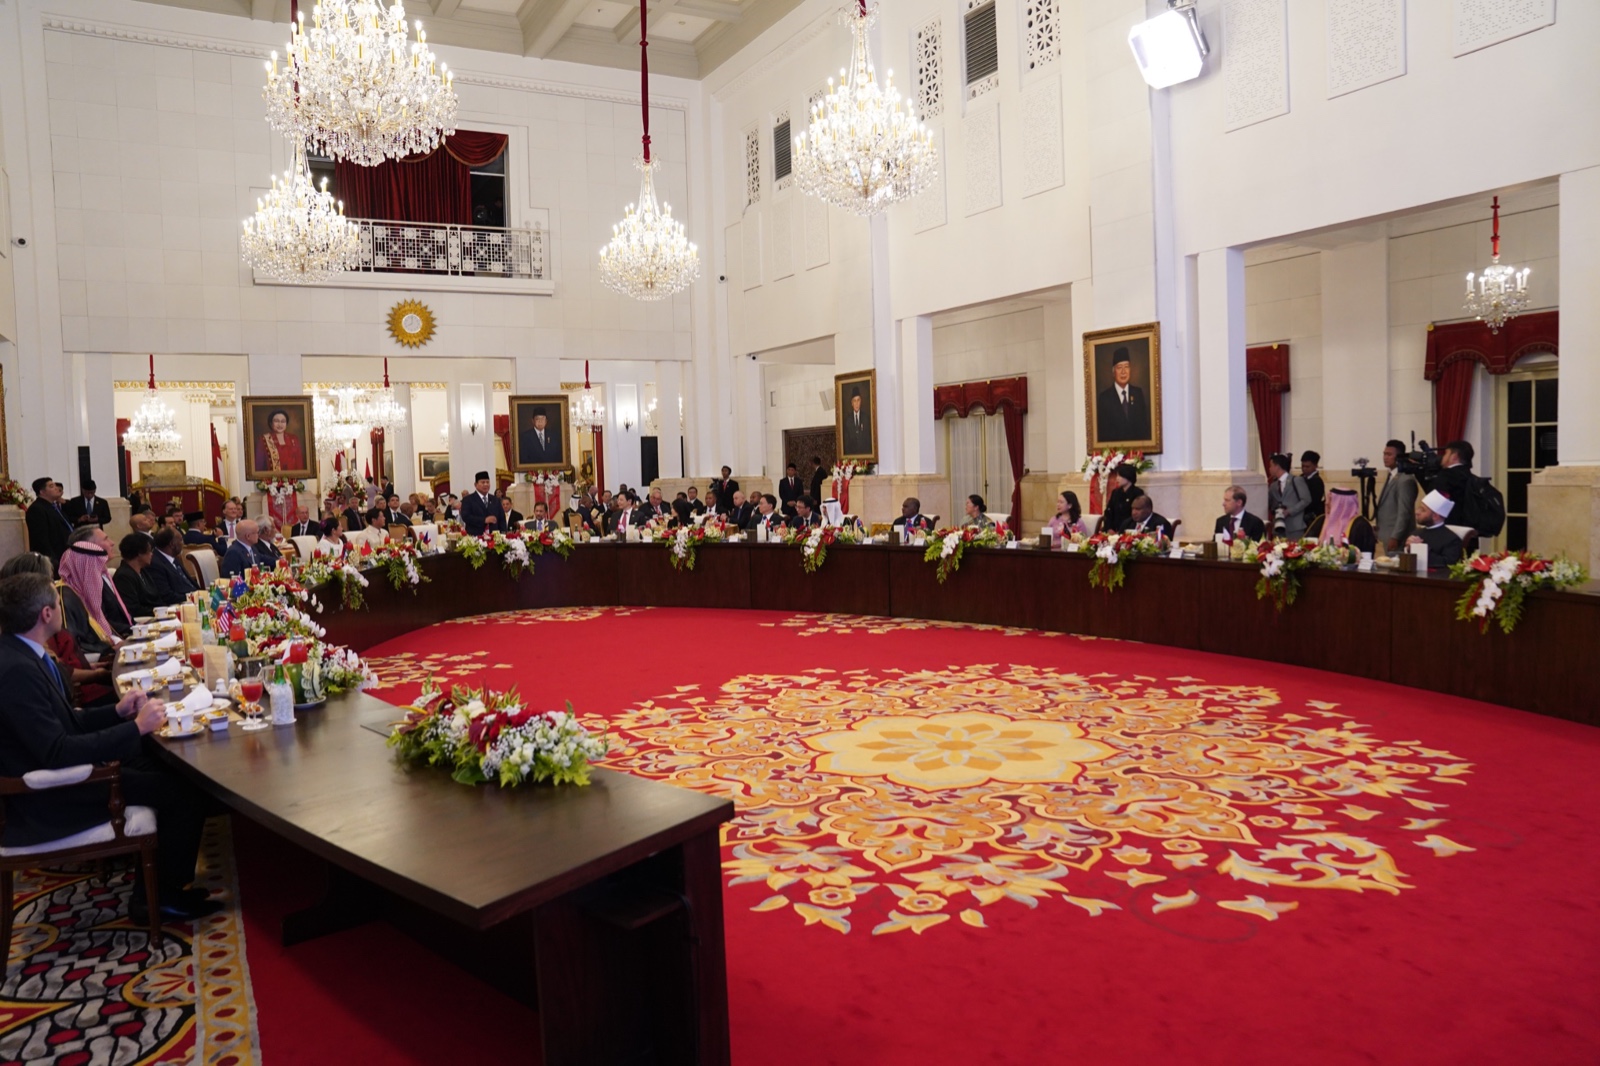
<point>1283,305</point>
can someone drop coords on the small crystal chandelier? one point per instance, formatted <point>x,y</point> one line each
<point>153,431</point>
<point>444,435</point>
<point>862,152</point>
<point>299,234</point>
<point>380,409</point>
<point>650,256</point>
<point>337,415</point>
<point>356,87</point>
<point>587,410</point>
<point>1501,292</point>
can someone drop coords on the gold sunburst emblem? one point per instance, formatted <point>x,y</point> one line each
<point>411,323</point>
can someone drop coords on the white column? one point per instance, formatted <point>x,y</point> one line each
<point>1580,318</point>
<point>100,416</point>
<point>469,451</point>
<point>749,419</point>
<point>893,411</point>
<point>1355,352</point>
<point>916,395</point>
<point>402,441</point>
<point>669,435</point>
<point>1221,386</point>
<point>1082,315</point>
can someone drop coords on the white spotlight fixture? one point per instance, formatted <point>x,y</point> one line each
<point>1170,47</point>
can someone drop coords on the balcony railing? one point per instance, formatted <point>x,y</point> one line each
<point>389,247</point>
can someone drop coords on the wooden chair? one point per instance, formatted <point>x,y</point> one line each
<point>305,546</point>
<point>1091,523</point>
<point>201,565</point>
<point>1469,538</point>
<point>129,830</point>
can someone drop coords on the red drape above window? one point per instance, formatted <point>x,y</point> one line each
<point>1008,397</point>
<point>1456,347</point>
<point>436,187</point>
<point>1266,372</point>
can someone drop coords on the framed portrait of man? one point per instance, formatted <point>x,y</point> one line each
<point>1122,388</point>
<point>432,464</point>
<point>280,438</point>
<point>539,433</point>
<point>855,415</point>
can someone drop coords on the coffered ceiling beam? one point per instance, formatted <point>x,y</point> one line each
<point>545,22</point>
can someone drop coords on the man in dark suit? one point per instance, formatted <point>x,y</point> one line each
<point>227,529</point>
<point>655,507</point>
<point>355,519</point>
<point>739,516</point>
<point>1235,521</point>
<point>303,525</point>
<point>857,426</point>
<point>247,550</point>
<point>805,515</point>
<point>48,525</point>
<point>392,513</point>
<point>911,519</point>
<point>86,508</point>
<point>168,582</point>
<point>1122,412</point>
<point>818,476</point>
<point>696,504</point>
<point>790,489</point>
<point>1144,521</point>
<point>41,731</point>
<point>540,520</point>
<point>724,486</point>
<point>1119,505</point>
<point>766,513</point>
<point>624,518</point>
<point>513,516</point>
<point>1397,501</point>
<point>481,511</point>
<point>1319,491</point>
<point>199,533</point>
<point>540,443</point>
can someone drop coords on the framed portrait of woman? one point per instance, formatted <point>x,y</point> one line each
<point>280,440</point>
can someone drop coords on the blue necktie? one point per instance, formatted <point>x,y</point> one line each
<point>55,671</point>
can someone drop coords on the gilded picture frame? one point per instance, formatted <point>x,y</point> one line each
<point>1122,408</point>
<point>535,448</point>
<point>855,416</point>
<point>288,450</point>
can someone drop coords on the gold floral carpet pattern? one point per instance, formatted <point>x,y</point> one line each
<point>83,985</point>
<point>895,801</point>
<point>813,625</point>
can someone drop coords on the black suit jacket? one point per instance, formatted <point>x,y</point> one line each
<point>396,518</point>
<point>136,591</point>
<point>790,491</point>
<point>739,517</point>
<point>169,585</point>
<point>48,529</point>
<point>818,476</point>
<point>1113,424</point>
<point>636,519</point>
<point>529,450</point>
<point>76,511</point>
<point>857,435</point>
<point>1156,523</point>
<point>1119,508</point>
<point>1319,493</point>
<point>1254,528</point>
<point>796,522</point>
<point>724,491</point>
<point>513,518</point>
<point>41,731</point>
<point>306,529</point>
<point>474,511</point>
<point>1444,547</point>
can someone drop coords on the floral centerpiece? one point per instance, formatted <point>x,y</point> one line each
<point>1111,552</point>
<point>15,493</point>
<point>815,542</point>
<point>266,606</point>
<point>947,546</point>
<point>480,735</point>
<point>282,498</point>
<point>1281,562</point>
<point>1097,470</point>
<point>684,542</point>
<point>516,549</point>
<point>1500,583</point>
<point>340,566</point>
<point>398,559</point>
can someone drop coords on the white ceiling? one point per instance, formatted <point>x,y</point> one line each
<point>688,38</point>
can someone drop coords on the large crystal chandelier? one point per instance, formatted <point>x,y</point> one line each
<point>650,256</point>
<point>862,152</point>
<point>356,87</point>
<point>1501,292</point>
<point>380,410</point>
<point>587,410</point>
<point>337,415</point>
<point>299,234</point>
<point>153,431</point>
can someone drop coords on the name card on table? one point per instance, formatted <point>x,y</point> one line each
<point>1176,552</point>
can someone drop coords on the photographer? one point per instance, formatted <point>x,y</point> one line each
<point>1456,478</point>
<point>1397,501</point>
<point>1287,498</point>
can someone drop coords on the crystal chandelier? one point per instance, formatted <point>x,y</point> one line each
<point>336,413</point>
<point>153,431</point>
<point>299,234</point>
<point>650,256</point>
<point>355,86</point>
<point>1501,292</point>
<point>587,410</point>
<point>862,152</point>
<point>380,409</point>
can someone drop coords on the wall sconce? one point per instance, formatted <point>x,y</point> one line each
<point>628,406</point>
<point>472,408</point>
<point>473,425</point>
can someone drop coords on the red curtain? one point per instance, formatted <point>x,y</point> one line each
<point>1267,375</point>
<point>379,473</point>
<point>1452,391</point>
<point>502,430</point>
<point>436,187</point>
<point>1013,422</point>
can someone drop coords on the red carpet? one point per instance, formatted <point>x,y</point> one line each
<point>1044,849</point>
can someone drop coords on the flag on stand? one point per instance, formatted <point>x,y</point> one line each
<point>216,456</point>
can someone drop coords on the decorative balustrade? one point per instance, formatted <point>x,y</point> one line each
<point>463,251</point>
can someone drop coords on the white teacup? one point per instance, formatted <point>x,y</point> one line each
<point>180,720</point>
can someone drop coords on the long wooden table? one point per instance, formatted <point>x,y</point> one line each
<point>1384,626</point>
<point>601,904</point>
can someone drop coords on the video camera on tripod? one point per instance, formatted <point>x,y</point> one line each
<point>1422,463</point>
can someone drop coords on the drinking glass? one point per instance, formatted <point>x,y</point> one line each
<point>250,682</point>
